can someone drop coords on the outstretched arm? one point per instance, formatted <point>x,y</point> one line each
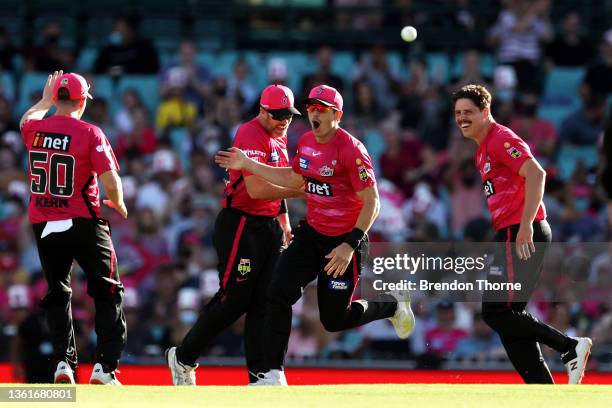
<point>235,159</point>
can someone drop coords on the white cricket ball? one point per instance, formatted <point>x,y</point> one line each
<point>409,33</point>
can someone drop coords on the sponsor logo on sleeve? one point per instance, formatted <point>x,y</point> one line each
<point>363,173</point>
<point>326,171</point>
<point>317,187</point>
<point>304,162</point>
<point>244,266</point>
<point>335,284</point>
<point>257,155</point>
<point>514,152</point>
<point>102,148</point>
<point>489,189</point>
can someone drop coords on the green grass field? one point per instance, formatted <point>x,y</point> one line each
<point>337,396</point>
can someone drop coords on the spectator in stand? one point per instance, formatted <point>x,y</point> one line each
<point>374,68</point>
<point>538,133</point>
<point>97,114</point>
<point>470,73</point>
<point>197,76</point>
<point>518,33</point>
<point>124,118</point>
<point>598,78</point>
<point>482,345</point>
<point>466,201</point>
<point>584,126</point>
<point>366,111</point>
<point>241,87</point>
<point>442,340</point>
<point>570,48</point>
<point>7,122</point>
<point>126,52</point>
<point>49,55</point>
<point>176,110</point>
<point>141,140</point>
<point>323,75</point>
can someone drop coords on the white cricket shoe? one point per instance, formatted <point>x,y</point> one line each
<point>63,374</point>
<point>403,320</point>
<point>271,378</point>
<point>576,359</point>
<point>182,374</point>
<point>99,377</point>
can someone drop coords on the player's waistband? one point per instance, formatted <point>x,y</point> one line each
<point>541,229</point>
<point>235,211</point>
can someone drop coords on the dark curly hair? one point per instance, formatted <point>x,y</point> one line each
<point>476,93</point>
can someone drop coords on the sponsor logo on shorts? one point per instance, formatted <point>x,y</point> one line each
<point>244,266</point>
<point>304,162</point>
<point>338,284</point>
<point>318,188</point>
<point>489,189</point>
<point>51,141</point>
<point>496,270</point>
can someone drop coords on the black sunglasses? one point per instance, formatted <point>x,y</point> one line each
<point>281,114</point>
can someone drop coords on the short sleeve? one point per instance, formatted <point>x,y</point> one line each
<point>295,163</point>
<point>27,127</point>
<point>358,165</point>
<point>101,153</point>
<point>252,145</point>
<point>510,150</point>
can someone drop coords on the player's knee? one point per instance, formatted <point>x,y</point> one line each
<point>281,295</point>
<point>57,297</point>
<point>331,323</point>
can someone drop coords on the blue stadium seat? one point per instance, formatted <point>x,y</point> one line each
<point>438,67</point>
<point>555,113</point>
<point>7,85</point>
<point>343,63</point>
<point>569,156</point>
<point>103,88</point>
<point>562,85</point>
<point>146,85</point>
<point>30,82</point>
<point>86,60</point>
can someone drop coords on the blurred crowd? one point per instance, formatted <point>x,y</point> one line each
<point>429,187</point>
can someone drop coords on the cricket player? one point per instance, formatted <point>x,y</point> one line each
<point>248,235</point>
<point>66,157</point>
<point>513,183</point>
<point>336,173</point>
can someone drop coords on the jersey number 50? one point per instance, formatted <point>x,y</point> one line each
<point>41,177</point>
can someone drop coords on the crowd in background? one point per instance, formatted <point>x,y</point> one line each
<point>430,189</point>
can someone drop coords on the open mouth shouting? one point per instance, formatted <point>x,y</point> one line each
<point>316,124</point>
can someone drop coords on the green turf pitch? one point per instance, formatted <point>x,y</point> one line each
<point>338,396</point>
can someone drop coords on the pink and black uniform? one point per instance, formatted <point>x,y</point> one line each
<point>260,146</point>
<point>248,240</point>
<point>66,155</point>
<point>334,173</point>
<point>499,159</point>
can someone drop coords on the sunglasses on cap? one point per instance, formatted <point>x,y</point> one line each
<point>280,114</point>
<point>319,108</point>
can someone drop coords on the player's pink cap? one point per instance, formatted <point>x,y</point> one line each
<point>77,86</point>
<point>325,95</point>
<point>278,98</point>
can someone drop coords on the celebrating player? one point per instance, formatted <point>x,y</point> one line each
<point>248,235</point>
<point>514,186</point>
<point>65,155</point>
<point>342,202</point>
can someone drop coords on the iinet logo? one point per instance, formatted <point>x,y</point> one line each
<point>51,141</point>
<point>316,187</point>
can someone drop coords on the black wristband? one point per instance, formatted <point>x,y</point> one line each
<point>355,238</point>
